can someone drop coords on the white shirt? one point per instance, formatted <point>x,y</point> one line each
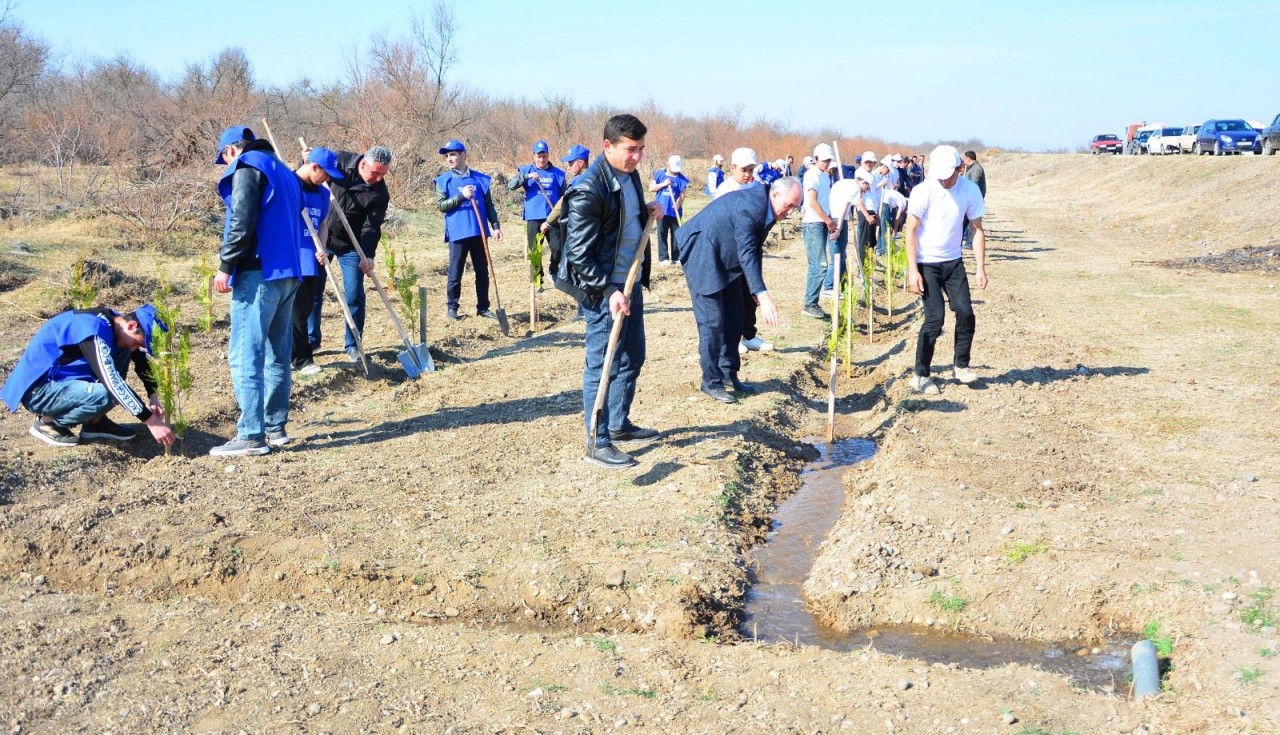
<point>893,198</point>
<point>820,182</point>
<point>942,213</point>
<point>731,184</point>
<point>843,194</point>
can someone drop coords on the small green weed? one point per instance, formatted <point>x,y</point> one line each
<point>538,683</point>
<point>706,695</point>
<point>419,579</point>
<point>1259,613</point>
<point>1162,641</point>
<point>948,601</point>
<point>1019,553</point>
<point>1250,676</point>
<point>604,645</point>
<point>1267,652</point>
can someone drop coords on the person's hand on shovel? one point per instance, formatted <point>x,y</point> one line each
<point>468,191</point>
<point>366,266</point>
<point>222,282</point>
<point>618,304</point>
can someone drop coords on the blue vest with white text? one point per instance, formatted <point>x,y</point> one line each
<point>39,362</point>
<point>535,204</point>
<point>316,206</point>
<point>278,228</point>
<point>461,222</point>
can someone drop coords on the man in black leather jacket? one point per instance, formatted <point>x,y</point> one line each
<point>605,218</point>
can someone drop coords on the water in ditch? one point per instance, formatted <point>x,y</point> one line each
<point>776,612</point>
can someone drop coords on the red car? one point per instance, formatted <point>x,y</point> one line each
<point>1105,143</point>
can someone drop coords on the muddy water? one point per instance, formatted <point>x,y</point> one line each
<point>775,609</point>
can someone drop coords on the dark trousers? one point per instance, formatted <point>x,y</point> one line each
<point>866,234</point>
<point>667,227</point>
<point>949,278</point>
<point>310,290</point>
<point>628,358</point>
<point>720,317</point>
<point>531,227</point>
<point>313,319</point>
<point>749,307</point>
<point>459,251</point>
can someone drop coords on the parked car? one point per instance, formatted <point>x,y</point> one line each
<point>1164,140</point>
<point>1188,138</point>
<point>1271,137</point>
<point>1105,143</point>
<point>1223,137</point>
<point>1141,135</point>
<point>1130,139</point>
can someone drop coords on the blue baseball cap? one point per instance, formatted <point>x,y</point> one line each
<point>541,147</point>
<point>452,146</point>
<point>327,160</point>
<point>148,320</point>
<point>231,136</point>
<point>577,153</point>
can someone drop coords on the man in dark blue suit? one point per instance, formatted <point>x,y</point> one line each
<point>719,247</point>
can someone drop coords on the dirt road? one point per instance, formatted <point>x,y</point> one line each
<point>434,556</point>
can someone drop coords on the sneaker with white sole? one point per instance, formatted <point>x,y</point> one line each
<point>53,434</point>
<point>105,428</point>
<point>241,448</point>
<point>757,344</point>
<point>310,369</point>
<point>278,438</point>
<point>964,375</point>
<point>924,384</point>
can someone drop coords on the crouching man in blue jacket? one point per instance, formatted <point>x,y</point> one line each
<point>73,372</point>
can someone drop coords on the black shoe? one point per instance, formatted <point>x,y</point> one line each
<point>609,457</point>
<point>55,434</point>
<point>815,311</point>
<point>719,393</point>
<point>105,428</point>
<point>632,434</point>
<point>451,315</point>
<point>487,314</point>
<point>740,386</point>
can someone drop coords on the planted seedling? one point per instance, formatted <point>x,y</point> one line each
<point>171,361</point>
<point>404,281</point>
<point>82,292</point>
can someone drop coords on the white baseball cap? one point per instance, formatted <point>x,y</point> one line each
<point>895,157</point>
<point>823,152</point>
<point>943,161</point>
<point>808,160</point>
<point>743,157</point>
<point>674,164</point>
<point>869,156</point>
<point>718,158</point>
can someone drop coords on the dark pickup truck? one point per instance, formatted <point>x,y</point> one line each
<point>1271,138</point>
<point>1105,143</point>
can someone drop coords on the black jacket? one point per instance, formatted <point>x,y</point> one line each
<point>365,206</point>
<point>240,246</point>
<point>593,227</point>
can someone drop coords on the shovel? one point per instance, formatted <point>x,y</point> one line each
<point>420,349</point>
<point>493,276</point>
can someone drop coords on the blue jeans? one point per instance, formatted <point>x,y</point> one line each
<point>259,353</point>
<point>627,361</point>
<point>353,289</point>
<point>837,247</point>
<point>74,402</point>
<point>814,235</point>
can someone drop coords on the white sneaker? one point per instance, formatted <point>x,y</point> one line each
<point>924,384</point>
<point>826,294</point>
<point>742,347</point>
<point>964,375</point>
<point>757,344</point>
<point>310,369</point>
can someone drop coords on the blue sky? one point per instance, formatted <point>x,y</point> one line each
<point>1032,74</point>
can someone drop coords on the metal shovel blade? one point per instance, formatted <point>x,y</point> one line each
<point>424,358</point>
<point>409,361</point>
<point>503,324</point>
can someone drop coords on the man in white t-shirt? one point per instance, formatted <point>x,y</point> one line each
<point>817,226</point>
<point>936,213</point>
<point>844,194</point>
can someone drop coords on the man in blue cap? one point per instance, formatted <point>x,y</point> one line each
<point>73,372</point>
<point>543,185</point>
<point>459,192</point>
<point>260,266</point>
<point>320,167</point>
<point>575,161</point>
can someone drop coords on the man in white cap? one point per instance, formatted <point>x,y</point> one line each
<point>869,205</point>
<point>816,226</point>
<point>670,185</point>
<point>715,175</point>
<point>935,217</point>
<point>742,172</point>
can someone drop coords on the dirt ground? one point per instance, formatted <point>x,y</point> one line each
<point>434,555</point>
